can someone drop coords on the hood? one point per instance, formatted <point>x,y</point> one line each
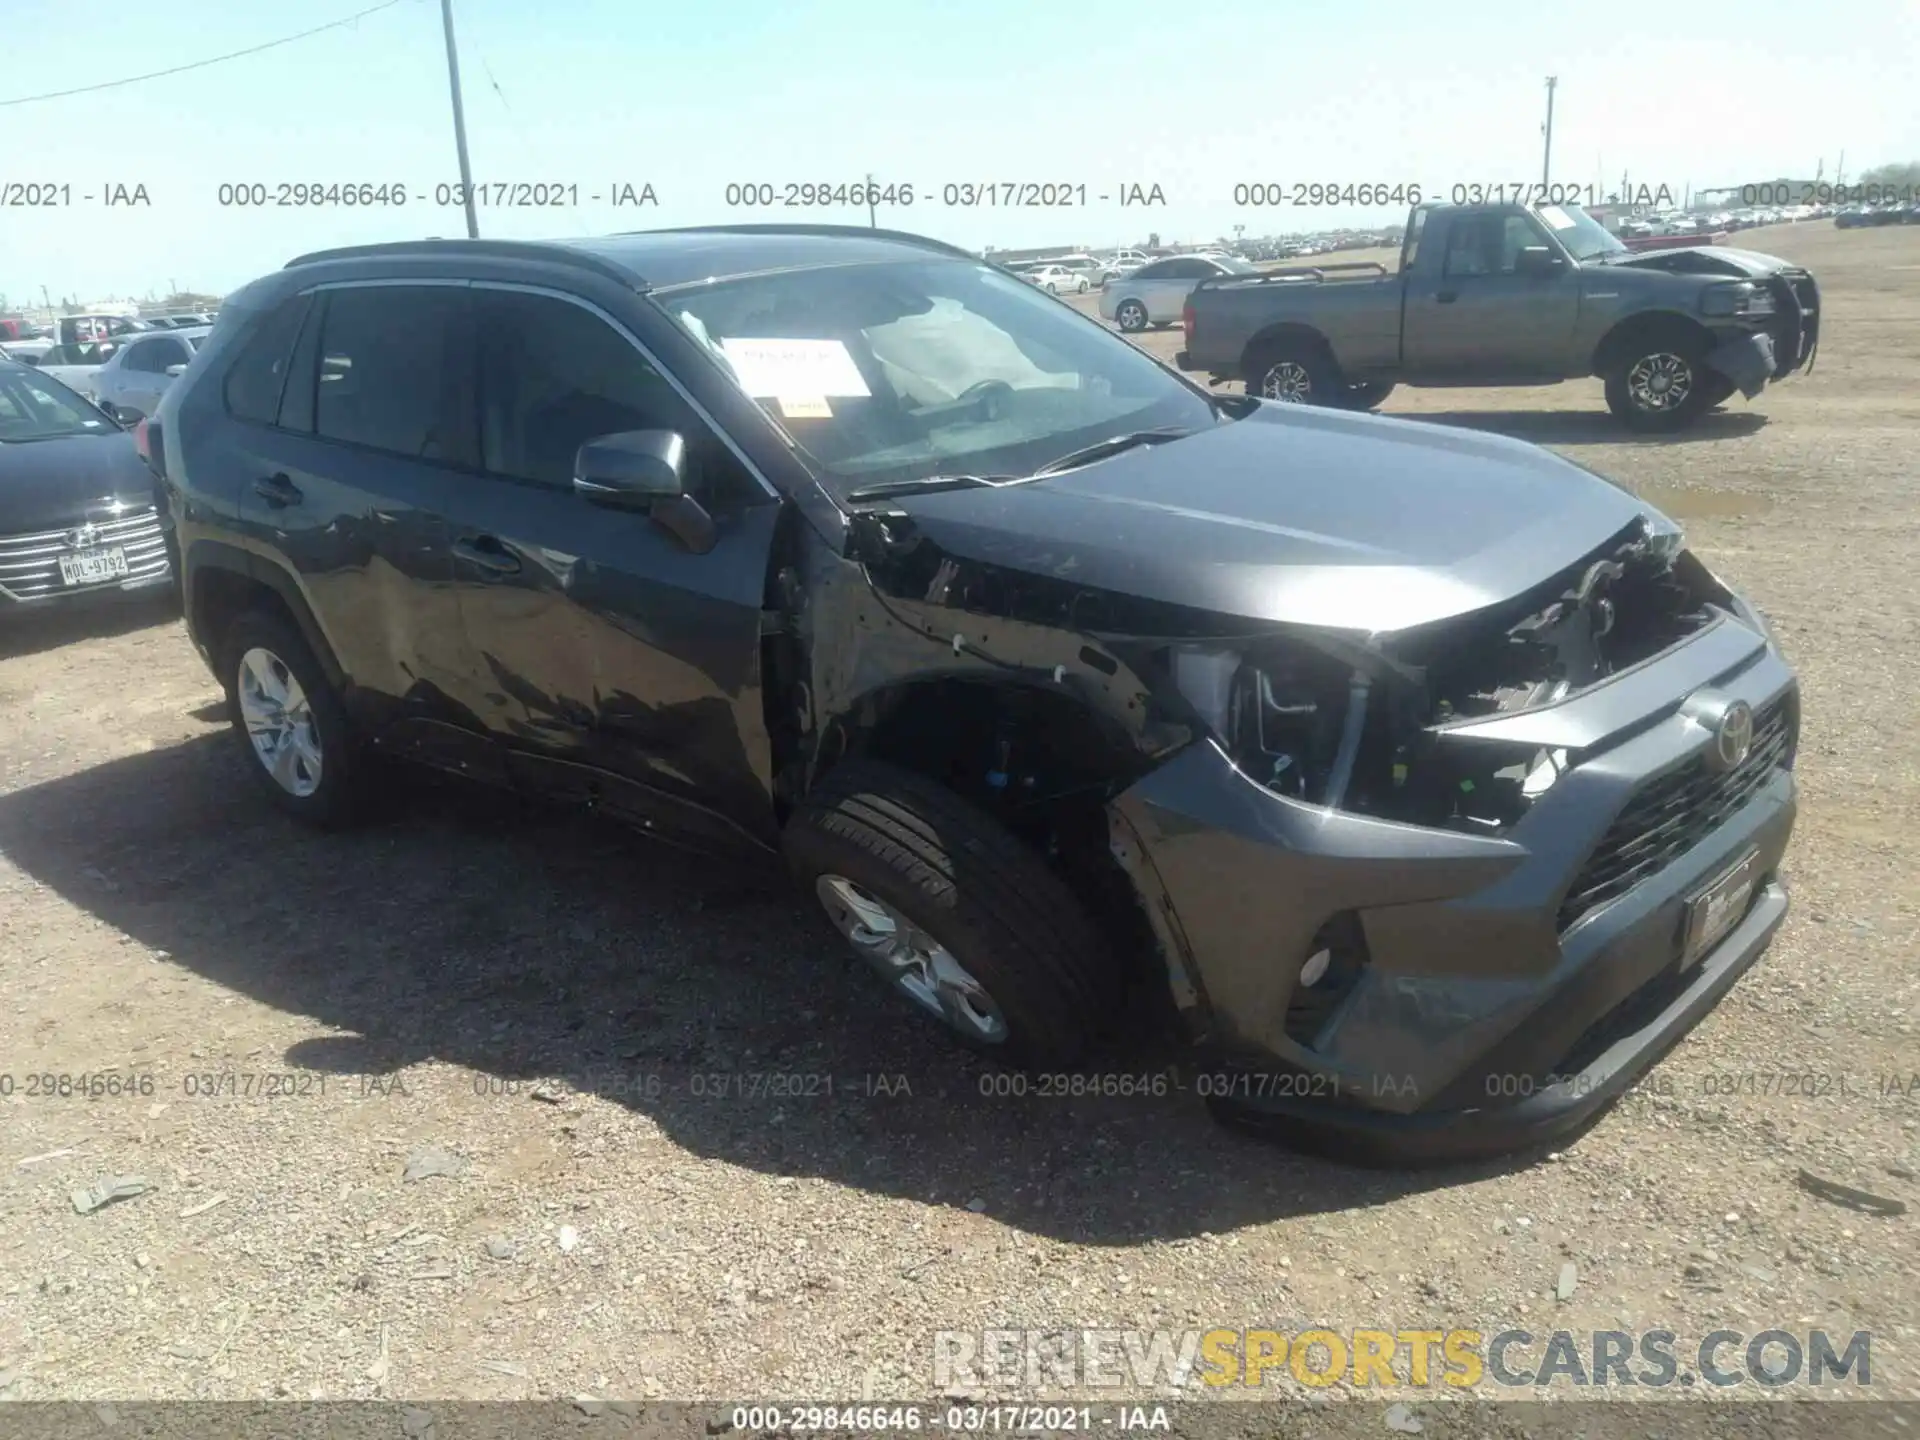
<point>1298,515</point>
<point>45,484</point>
<point>1705,260</point>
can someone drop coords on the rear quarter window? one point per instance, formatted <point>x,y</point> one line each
<point>258,375</point>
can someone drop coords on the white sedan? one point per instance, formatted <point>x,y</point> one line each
<point>129,386</point>
<point>1059,280</point>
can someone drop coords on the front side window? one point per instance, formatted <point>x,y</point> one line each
<point>906,369</point>
<point>1489,245</point>
<point>553,376</point>
<point>394,371</point>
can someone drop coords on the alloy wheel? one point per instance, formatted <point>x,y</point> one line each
<point>1287,381</point>
<point>280,723</point>
<point>1132,316</point>
<point>1660,382</point>
<point>912,961</point>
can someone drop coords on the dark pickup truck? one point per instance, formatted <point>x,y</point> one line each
<point>1513,295</point>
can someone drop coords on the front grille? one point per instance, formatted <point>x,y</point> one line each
<point>30,564</point>
<point>1669,816</point>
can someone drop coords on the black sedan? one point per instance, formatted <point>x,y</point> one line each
<point>77,513</point>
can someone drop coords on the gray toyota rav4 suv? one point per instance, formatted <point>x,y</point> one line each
<point>1430,776</point>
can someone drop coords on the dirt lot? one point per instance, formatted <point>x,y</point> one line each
<point>652,1223</point>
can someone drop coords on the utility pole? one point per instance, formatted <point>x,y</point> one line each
<point>459,119</point>
<point>1840,171</point>
<point>1546,159</point>
<point>873,222</point>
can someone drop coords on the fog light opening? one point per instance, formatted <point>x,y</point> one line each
<point>1335,958</point>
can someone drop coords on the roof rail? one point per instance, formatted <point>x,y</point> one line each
<point>559,254</point>
<point>907,237</point>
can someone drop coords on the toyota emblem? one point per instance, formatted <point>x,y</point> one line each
<point>84,537</point>
<point>1734,737</point>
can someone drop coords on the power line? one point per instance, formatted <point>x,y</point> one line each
<point>201,64</point>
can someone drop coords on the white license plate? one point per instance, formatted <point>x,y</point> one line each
<point>90,567</point>
<point>1712,912</point>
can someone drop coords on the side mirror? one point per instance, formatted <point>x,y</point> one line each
<point>1537,260</point>
<point>174,372</point>
<point>645,470</point>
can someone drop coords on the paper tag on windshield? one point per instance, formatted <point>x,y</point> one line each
<point>809,408</point>
<point>802,368</point>
<point>1556,217</point>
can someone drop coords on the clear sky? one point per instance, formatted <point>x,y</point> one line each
<point>1101,93</point>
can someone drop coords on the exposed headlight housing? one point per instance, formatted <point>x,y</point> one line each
<point>1736,298</point>
<point>1290,718</point>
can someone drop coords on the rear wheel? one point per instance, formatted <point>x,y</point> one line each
<point>1661,386</point>
<point>961,919</point>
<point>289,723</point>
<point>1131,317</point>
<point>1295,374</point>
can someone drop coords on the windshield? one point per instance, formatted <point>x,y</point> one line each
<point>1233,264</point>
<point>1585,237</point>
<point>898,371</point>
<point>34,407</point>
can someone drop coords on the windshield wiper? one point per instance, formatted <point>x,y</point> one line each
<point>1112,445</point>
<point>927,482</point>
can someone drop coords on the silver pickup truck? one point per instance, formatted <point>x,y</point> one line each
<point>1513,295</point>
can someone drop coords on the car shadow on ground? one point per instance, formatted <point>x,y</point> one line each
<point>524,944</point>
<point>34,631</point>
<point>1575,427</point>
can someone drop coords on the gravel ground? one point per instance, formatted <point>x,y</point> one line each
<point>571,1031</point>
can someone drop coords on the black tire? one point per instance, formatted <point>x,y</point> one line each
<point>974,888</point>
<point>1295,373</point>
<point>1366,395</point>
<point>339,795</point>
<point>1631,385</point>
<point>1131,317</point>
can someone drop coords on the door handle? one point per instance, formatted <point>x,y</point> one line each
<point>278,491</point>
<point>488,553</point>
<point>1447,297</point>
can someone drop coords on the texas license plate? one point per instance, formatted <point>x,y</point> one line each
<point>1712,912</point>
<point>90,567</point>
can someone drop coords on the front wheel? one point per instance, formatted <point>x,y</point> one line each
<point>1660,388</point>
<point>1131,317</point>
<point>960,918</point>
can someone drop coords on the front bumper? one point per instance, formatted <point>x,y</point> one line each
<point>1501,999</point>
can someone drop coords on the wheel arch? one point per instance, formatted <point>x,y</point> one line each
<point>1647,327</point>
<point>947,727</point>
<point>933,724</point>
<point>220,582</point>
<point>1285,334</point>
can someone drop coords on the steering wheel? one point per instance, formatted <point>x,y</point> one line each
<point>989,397</point>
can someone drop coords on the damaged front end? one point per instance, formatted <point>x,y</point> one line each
<point>1412,879</point>
<point>1387,728</point>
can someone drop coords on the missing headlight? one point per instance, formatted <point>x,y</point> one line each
<point>1290,721</point>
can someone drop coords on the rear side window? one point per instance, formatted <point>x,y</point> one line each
<point>395,372</point>
<point>259,373</point>
<point>154,356</point>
